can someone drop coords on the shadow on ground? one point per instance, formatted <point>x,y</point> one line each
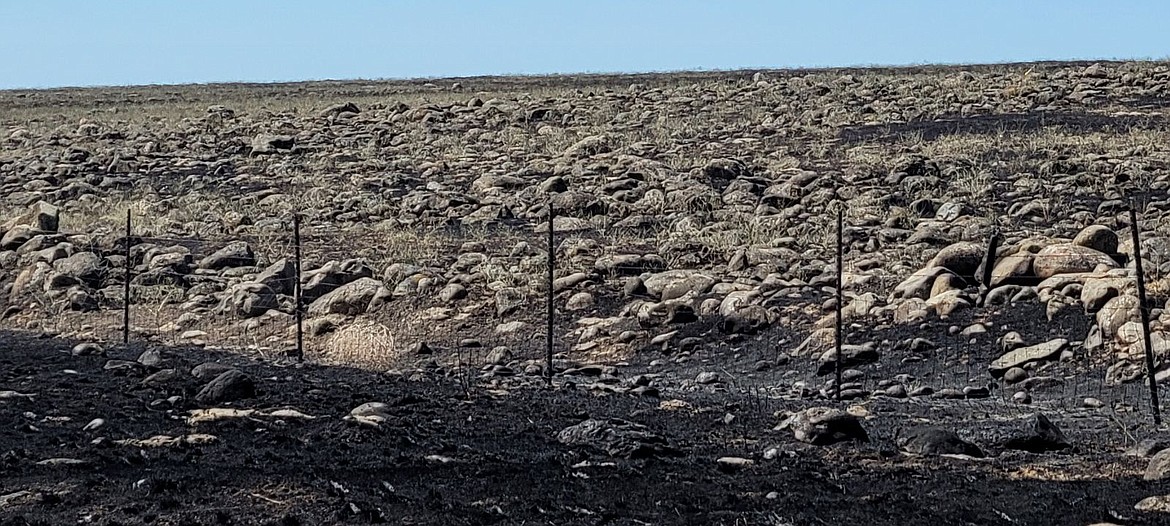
<point>443,458</point>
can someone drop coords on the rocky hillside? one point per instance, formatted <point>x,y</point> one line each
<point>695,213</point>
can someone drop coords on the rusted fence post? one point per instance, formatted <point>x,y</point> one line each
<point>297,301</point>
<point>1143,308</point>
<point>552,259</point>
<point>840,296</point>
<point>126,287</point>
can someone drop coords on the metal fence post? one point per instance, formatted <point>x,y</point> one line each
<point>297,288</point>
<point>552,255</point>
<point>1142,307</point>
<point>840,273</point>
<point>126,287</point>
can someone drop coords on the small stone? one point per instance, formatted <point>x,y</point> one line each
<point>925,390</point>
<point>1022,397</point>
<point>88,349</point>
<point>734,463</point>
<point>707,378</point>
<point>1015,375</point>
<point>1092,403</point>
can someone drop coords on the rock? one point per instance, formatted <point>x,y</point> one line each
<point>229,386</point>
<point>1159,466</point>
<point>1147,448</point>
<point>1116,313</point>
<point>372,414</point>
<point>247,300</point>
<point>919,284</point>
<point>617,438</point>
<point>86,267</point>
<point>352,299</point>
<point>335,274</point>
<point>1155,504</point>
<point>1067,258</point>
<point>452,293</point>
<point>1043,436</point>
<point>961,258</point>
<point>927,440</point>
<point>41,217</point>
<point>1097,291</point>
<point>209,370</point>
<point>707,378</point>
<point>579,301</point>
<point>729,464</point>
<point>854,355</point>
<point>1099,238</point>
<point>1015,375</point>
<point>266,143</point>
<point>509,300</point>
<point>234,254</point>
<point>822,426</point>
<point>88,349</point>
<point>1015,269</point>
<point>280,277</point>
<point>1025,355</point>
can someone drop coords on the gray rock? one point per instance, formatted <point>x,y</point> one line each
<point>234,254</point>
<point>247,300</point>
<point>1041,437</point>
<point>1045,351</point>
<point>280,277</point>
<point>1067,258</point>
<point>229,386</point>
<point>208,371</point>
<point>929,440</point>
<point>617,438</point>
<point>1099,238</point>
<point>351,299</point>
<point>822,426</point>
<point>1159,466</point>
<point>85,267</point>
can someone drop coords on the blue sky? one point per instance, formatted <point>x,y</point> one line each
<point>50,43</point>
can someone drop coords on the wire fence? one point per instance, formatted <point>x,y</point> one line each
<point>507,304</point>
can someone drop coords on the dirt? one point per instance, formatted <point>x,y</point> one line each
<point>490,456</point>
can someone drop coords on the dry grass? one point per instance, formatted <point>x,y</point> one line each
<point>364,344</point>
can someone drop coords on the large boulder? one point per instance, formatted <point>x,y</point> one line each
<point>280,277</point>
<point>332,275</point>
<point>247,300</point>
<point>1116,313</point>
<point>86,267</point>
<point>351,299</point>
<point>1099,238</point>
<point>41,217</point>
<point>1067,258</point>
<point>962,258</point>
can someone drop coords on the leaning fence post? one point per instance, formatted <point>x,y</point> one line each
<point>126,287</point>
<point>988,267</point>
<point>297,288</point>
<point>552,255</point>
<point>840,272</point>
<point>1142,307</point>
